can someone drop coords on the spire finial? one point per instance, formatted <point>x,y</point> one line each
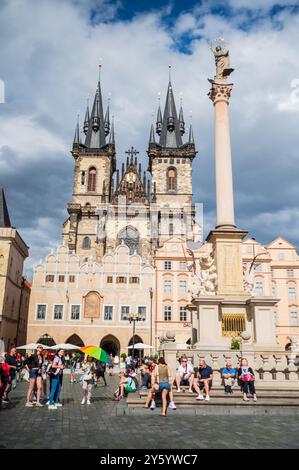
<point>100,68</point>
<point>169,72</point>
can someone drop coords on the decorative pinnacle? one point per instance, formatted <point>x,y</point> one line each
<point>169,72</point>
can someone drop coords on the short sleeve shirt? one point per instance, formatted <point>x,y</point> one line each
<point>205,372</point>
<point>11,361</point>
<point>231,371</point>
<point>187,369</point>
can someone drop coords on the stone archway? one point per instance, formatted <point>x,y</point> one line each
<point>75,340</point>
<point>111,345</point>
<point>137,352</point>
<point>46,340</point>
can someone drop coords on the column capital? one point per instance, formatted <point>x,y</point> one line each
<point>220,91</point>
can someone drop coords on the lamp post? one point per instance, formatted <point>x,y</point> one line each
<point>133,318</point>
<point>151,292</point>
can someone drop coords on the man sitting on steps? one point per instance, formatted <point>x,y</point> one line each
<point>205,378</point>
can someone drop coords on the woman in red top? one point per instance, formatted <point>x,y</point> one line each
<point>4,379</point>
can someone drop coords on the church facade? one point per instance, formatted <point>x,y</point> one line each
<point>130,245</point>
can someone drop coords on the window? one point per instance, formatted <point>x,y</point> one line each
<point>121,279</point>
<point>273,291</point>
<point>142,311</point>
<point>134,280</point>
<point>167,265</point>
<point>124,311</point>
<point>167,313</point>
<point>183,314</point>
<point>86,243</point>
<point>109,279</point>
<point>167,286</point>
<point>92,174</point>
<point>280,256</point>
<point>171,179</point>
<point>60,278</point>
<point>292,293</point>
<point>50,278</point>
<point>258,267</point>
<point>183,266</point>
<point>58,312</point>
<point>41,311</point>
<point>71,278</point>
<point>108,312</point>
<point>183,286</point>
<point>259,288</point>
<point>294,318</point>
<point>290,272</point>
<point>170,229</point>
<point>75,312</point>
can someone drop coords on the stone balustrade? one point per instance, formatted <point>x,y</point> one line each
<point>271,369</point>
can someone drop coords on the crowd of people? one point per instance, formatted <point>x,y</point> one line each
<point>156,377</point>
<point>44,372</point>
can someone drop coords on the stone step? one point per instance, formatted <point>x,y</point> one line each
<point>136,401</point>
<point>237,393</point>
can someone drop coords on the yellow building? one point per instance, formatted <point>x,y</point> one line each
<point>14,289</point>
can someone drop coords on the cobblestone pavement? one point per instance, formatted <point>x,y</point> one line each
<point>97,426</point>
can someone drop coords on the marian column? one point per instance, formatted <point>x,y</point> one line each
<point>220,94</point>
<point>226,238</point>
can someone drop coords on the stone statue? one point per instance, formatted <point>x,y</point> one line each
<point>221,54</point>
<point>248,278</point>
<point>205,282</point>
<point>168,338</point>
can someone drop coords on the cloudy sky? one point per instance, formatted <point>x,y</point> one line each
<point>49,54</point>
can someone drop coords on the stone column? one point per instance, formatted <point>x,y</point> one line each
<point>220,94</point>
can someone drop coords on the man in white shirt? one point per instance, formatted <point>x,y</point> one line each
<point>185,374</point>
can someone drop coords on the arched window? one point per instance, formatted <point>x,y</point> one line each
<point>171,179</point>
<point>92,179</point>
<point>86,243</point>
<point>130,236</point>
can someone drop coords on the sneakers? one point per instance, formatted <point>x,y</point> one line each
<point>38,404</point>
<point>200,397</point>
<point>255,398</point>
<point>172,406</point>
<point>58,405</point>
<point>207,398</point>
<point>190,390</point>
<point>178,390</point>
<point>29,404</point>
<point>88,402</point>
<point>153,405</point>
<point>48,402</point>
<point>52,407</point>
<point>83,401</point>
<point>245,398</point>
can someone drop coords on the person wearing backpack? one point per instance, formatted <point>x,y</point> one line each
<point>100,372</point>
<point>56,373</point>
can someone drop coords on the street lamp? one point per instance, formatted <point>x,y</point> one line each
<point>133,318</point>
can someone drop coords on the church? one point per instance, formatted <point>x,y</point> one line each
<point>119,218</point>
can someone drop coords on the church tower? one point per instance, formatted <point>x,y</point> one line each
<point>94,167</point>
<point>170,164</point>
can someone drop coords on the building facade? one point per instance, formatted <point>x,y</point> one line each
<point>14,288</point>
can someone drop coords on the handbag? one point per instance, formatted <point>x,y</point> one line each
<point>53,372</point>
<point>87,376</point>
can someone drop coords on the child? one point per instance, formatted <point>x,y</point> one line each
<point>87,378</point>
